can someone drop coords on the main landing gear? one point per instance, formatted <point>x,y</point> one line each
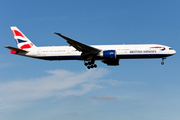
<point>90,64</point>
<point>162,63</point>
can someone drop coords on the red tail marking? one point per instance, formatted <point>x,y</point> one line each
<point>26,46</point>
<point>17,33</point>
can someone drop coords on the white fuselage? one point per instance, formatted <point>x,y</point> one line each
<point>122,52</point>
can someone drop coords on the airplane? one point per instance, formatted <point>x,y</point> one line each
<point>108,54</point>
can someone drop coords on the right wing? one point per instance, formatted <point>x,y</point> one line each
<point>15,49</point>
<point>80,46</point>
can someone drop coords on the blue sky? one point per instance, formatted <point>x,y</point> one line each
<point>134,90</point>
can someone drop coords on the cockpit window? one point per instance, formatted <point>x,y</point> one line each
<point>170,49</point>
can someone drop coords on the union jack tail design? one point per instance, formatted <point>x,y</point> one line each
<point>22,41</point>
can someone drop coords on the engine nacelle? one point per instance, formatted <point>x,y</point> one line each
<point>112,62</point>
<point>109,54</point>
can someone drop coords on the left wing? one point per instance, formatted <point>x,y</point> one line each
<point>80,46</point>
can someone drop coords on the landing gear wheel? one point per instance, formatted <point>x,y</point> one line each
<point>85,64</point>
<point>95,65</point>
<point>88,67</point>
<point>162,63</point>
<point>90,64</point>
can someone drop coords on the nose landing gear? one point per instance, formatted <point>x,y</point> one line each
<point>162,63</point>
<point>90,64</point>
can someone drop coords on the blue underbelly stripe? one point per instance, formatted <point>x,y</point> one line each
<point>78,57</point>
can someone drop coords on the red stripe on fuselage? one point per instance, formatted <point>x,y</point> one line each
<point>17,33</point>
<point>157,47</point>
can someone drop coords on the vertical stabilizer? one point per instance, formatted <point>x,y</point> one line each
<point>22,41</point>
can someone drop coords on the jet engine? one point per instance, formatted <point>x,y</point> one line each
<point>112,62</point>
<point>109,57</point>
<point>109,54</point>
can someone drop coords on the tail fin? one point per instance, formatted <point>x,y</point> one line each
<point>22,41</point>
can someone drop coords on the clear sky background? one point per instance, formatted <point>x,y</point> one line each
<point>32,89</point>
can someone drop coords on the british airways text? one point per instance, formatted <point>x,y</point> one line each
<point>143,51</point>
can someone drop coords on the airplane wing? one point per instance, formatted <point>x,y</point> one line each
<point>80,46</point>
<point>16,49</point>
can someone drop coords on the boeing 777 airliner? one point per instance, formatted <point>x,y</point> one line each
<point>108,54</point>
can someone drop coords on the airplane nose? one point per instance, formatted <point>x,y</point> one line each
<point>174,52</point>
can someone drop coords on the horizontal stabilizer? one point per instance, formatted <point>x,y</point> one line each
<point>15,49</point>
